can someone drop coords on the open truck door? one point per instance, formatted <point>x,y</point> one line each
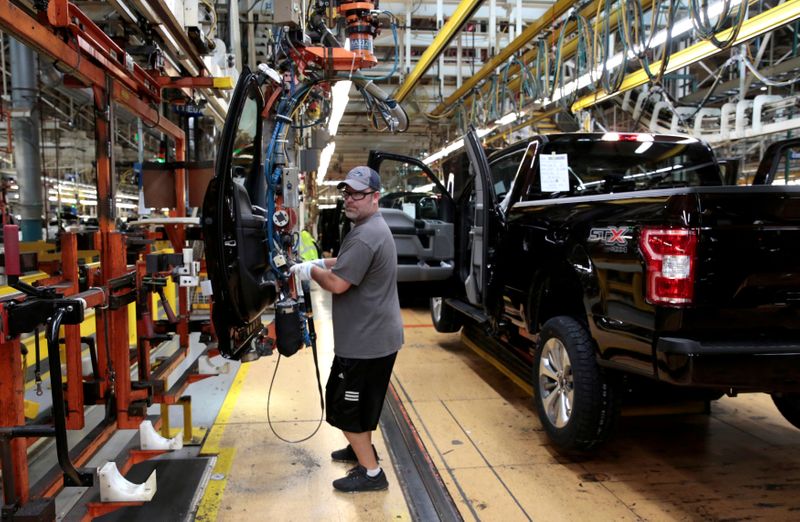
<point>234,224</point>
<point>440,240</point>
<point>419,212</point>
<point>476,277</point>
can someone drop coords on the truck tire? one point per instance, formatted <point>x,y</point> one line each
<point>789,406</point>
<point>575,400</point>
<point>445,319</point>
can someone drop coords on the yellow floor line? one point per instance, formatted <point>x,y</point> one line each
<point>526,386</point>
<point>211,445</point>
<point>209,506</point>
<point>208,509</point>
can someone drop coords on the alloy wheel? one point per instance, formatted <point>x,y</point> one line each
<point>556,384</point>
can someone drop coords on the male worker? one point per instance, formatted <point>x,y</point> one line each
<point>367,327</point>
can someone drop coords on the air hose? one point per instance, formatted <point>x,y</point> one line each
<point>309,336</point>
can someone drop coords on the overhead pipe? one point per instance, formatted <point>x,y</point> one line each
<point>25,126</point>
<point>460,17</point>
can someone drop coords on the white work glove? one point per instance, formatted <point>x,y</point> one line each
<point>320,263</point>
<point>302,271</point>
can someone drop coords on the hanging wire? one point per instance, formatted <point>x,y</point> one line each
<point>583,59</point>
<point>726,20</point>
<point>604,51</point>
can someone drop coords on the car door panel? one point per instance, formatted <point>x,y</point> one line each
<point>480,230</point>
<point>423,232</point>
<point>234,224</point>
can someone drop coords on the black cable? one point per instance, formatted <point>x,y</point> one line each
<point>708,31</point>
<point>37,373</point>
<point>307,311</point>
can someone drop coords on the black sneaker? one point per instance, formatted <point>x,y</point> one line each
<point>358,480</point>
<point>348,455</point>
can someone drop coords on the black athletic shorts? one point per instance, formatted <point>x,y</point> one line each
<point>355,392</point>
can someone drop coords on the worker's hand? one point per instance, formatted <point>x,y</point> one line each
<point>302,271</point>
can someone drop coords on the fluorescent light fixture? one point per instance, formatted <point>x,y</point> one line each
<point>340,93</point>
<point>323,207</point>
<point>330,183</point>
<point>456,145</point>
<point>511,117</point>
<point>70,201</point>
<point>424,188</point>
<point>324,161</point>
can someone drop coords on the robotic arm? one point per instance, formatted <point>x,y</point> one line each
<point>250,209</point>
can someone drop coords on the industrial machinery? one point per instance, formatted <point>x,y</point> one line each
<point>250,219</point>
<point>250,209</point>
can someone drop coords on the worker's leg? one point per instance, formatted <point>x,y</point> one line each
<point>362,446</point>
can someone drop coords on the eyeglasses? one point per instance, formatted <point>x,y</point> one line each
<point>356,196</point>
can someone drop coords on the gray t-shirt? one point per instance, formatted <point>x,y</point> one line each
<point>366,318</point>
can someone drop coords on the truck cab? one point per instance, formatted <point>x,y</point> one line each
<point>602,260</point>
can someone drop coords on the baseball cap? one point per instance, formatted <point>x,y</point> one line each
<point>361,178</point>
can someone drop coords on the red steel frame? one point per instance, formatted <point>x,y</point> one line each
<point>92,59</point>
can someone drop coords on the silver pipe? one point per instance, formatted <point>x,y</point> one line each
<point>24,93</point>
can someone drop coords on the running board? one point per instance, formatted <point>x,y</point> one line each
<point>473,312</point>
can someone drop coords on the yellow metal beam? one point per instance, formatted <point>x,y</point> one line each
<point>769,20</point>
<point>462,14</point>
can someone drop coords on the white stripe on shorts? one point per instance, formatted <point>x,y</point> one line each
<point>351,396</point>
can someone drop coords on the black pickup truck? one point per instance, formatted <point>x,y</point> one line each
<point>603,260</point>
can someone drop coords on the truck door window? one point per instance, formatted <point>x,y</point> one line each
<point>406,187</point>
<point>503,171</point>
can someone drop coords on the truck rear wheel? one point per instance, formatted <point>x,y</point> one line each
<point>789,406</point>
<point>445,319</point>
<point>575,401</point>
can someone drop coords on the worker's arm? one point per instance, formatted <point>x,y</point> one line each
<point>328,280</point>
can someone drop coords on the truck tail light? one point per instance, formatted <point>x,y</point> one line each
<point>669,255</point>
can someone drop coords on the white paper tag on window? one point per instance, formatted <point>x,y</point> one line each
<point>554,172</point>
<point>410,209</point>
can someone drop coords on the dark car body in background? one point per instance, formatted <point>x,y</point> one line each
<point>624,259</point>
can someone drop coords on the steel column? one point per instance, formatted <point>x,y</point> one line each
<point>407,39</point>
<point>25,125</point>
<point>72,337</point>
<point>180,235</point>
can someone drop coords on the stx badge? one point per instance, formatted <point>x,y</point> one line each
<point>613,238</point>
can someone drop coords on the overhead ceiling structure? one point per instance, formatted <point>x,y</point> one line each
<point>713,62</point>
<point>471,62</point>
<point>451,41</point>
